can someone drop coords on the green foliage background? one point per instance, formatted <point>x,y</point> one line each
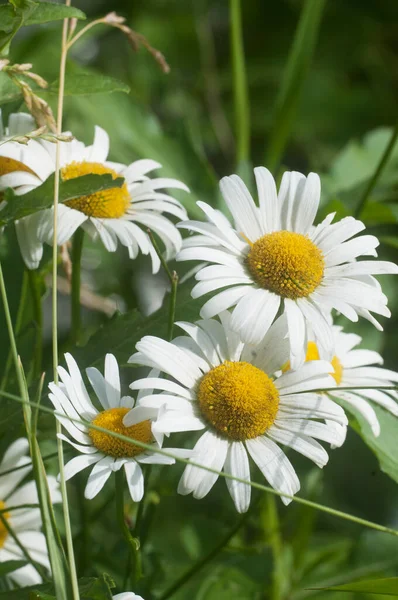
<point>185,120</point>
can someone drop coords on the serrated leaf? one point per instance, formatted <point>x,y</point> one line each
<point>11,565</point>
<point>82,84</point>
<point>386,587</point>
<point>49,11</point>
<point>385,446</point>
<point>43,196</point>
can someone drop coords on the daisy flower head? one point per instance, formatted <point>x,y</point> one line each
<point>230,391</point>
<point>105,452</point>
<point>274,259</point>
<point>120,214</point>
<point>356,367</point>
<point>24,522</point>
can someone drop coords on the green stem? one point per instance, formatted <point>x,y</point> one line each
<point>241,96</point>
<point>264,488</point>
<point>77,248</point>
<point>35,292</point>
<point>64,494</point>
<point>379,169</point>
<point>132,542</point>
<point>173,278</point>
<point>202,562</point>
<point>172,309</point>
<point>272,530</point>
<point>18,325</point>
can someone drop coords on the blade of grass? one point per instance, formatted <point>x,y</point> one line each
<point>64,493</point>
<point>241,94</point>
<point>298,63</point>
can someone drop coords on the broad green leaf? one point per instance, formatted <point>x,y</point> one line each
<point>120,334</point>
<point>11,565</point>
<point>386,587</point>
<point>43,196</point>
<point>82,84</point>
<point>296,69</point>
<point>385,446</point>
<point>50,11</point>
<point>12,17</point>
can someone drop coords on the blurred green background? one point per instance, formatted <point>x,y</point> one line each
<point>186,120</point>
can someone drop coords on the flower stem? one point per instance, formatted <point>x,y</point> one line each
<point>35,291</point>
<point>241,96</point>
<point>132,542</point>
<point>379,169</point>
<point>77,248</point>
<point>65,505</point>
<point>272,529</point>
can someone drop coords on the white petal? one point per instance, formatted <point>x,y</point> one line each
<point>135,480</point>
<point>274,465</point>
<point>237,465</point>
<point>98,477</point>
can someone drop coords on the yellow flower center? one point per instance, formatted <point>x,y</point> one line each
<point>338,370</point>
<point>9,165</point>
<point>239,400</point>
<point>107,204</point>
<point>286,263</point>
<point>112,420</point>
<point>313,354</point>
<point>3,530</point>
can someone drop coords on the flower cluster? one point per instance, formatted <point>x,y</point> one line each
<point>264,369</point>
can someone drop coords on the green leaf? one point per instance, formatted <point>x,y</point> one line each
<point>385,446</point>
<point>43,196</point>
<point>122,332</point>
<point>12,17</point>
<point>49,11</point>
<point>386,587</point>
<point>82,84</point>
<point>293,78</point>
<point>11,565</point>
<point>227,583</point>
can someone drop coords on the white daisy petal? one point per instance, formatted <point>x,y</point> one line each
<point>237,465</point>
<point>274,465</point>
<point>98,477</point>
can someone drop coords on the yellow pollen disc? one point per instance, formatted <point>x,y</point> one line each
<point>107,204</point>
<point>3,530</point>
<point>338,370</point>
<point>286,263</point>
<point>313,354</point>
<point>239,400</point>
<point>112,420</point>
<point>9,165</point>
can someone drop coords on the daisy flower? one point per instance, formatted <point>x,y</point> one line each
<point>118,214</point>
<point>355,367</point>
<point>105,452</point>
<point>228,390</point>
<point>274,259</point>
<point>25,522</point>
